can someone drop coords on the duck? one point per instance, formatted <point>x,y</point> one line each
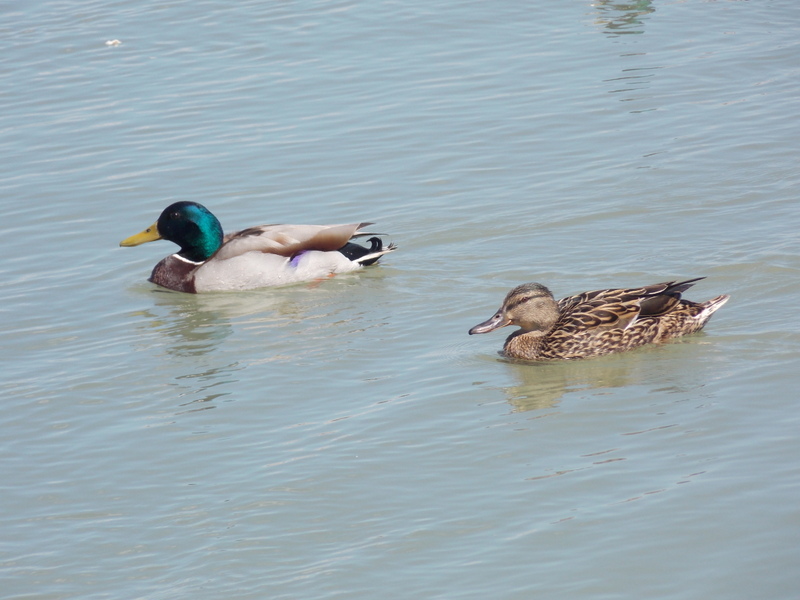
<point>598,322</point>
<point>261,256</point>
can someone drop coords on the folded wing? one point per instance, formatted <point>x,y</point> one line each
<point>287,240</point>
<point>619,308</point>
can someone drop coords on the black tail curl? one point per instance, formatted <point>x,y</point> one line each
<point>355,251</point>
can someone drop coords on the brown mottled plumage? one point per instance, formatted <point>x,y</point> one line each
<point>598,322</point>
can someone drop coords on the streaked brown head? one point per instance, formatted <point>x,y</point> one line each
<point>529,306</point>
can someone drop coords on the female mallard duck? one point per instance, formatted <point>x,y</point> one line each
<point>595,323</point>
<point>266,255</point>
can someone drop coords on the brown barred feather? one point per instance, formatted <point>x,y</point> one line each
<point>597,322</point>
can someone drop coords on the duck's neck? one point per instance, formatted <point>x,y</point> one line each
<point>198,253</point>
<point>203,241</point>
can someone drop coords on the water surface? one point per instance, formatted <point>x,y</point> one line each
<point>346,438</point>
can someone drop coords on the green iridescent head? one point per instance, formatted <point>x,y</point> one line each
<point>188,224</point>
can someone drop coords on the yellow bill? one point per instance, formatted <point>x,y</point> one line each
<point>148,235</point>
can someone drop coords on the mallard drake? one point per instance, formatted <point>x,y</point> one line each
<point>266,255</point>
<point>595,323</point>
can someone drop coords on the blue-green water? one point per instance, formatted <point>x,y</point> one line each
<point>346,438</point>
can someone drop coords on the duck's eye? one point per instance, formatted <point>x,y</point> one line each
<point>175,215</point>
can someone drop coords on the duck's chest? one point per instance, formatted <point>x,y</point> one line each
<point>175,273</point>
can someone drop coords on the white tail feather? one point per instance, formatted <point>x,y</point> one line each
<point>711,306</point>
<point>373,255</point>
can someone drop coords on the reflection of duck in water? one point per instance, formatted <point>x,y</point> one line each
<point>595,323</point>
<point>261,256</point>
<point>623,17</point>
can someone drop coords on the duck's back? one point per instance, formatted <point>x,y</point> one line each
<point>585,334</point>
